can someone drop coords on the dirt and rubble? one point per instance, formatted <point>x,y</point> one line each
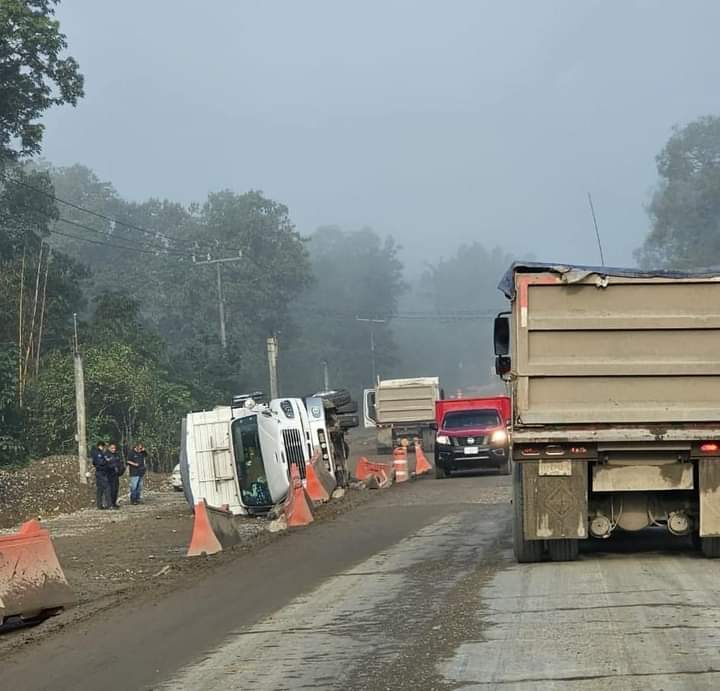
<point>108,556</point>
<point>49,487</point>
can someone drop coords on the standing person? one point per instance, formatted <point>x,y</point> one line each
<point>117,468</point>
<point>136,461</point>
<point>102,479</point>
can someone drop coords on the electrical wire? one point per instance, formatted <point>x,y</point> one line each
<point>194,245</point>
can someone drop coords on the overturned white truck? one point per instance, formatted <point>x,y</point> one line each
<point>239,456</point>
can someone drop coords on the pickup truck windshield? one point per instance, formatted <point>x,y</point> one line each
<point>254,490</point>
<point>467,419</point>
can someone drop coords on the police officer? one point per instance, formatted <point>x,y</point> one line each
<point>102,476</point>
<point>116,467</point>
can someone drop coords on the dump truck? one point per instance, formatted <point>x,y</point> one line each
<point>615,380</point>
<point>403,411</point>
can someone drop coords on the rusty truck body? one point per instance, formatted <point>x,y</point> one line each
<point>615,380</point>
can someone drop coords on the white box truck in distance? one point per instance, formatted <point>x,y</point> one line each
<point>402,410</point>
<point>615,378</point>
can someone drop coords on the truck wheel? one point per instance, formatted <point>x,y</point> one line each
<point>505,468</point>
<point>440,472</point>
<point>563,550</point>
<point>526,551</point>
<point>710,547</point>
<point>428,440</point>
<point>351,407</point>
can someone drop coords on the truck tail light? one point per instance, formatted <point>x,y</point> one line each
<point>578,450</point>
<point>710,447</point>
<point>529,451</point>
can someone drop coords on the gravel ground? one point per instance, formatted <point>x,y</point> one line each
<point>108,556</point>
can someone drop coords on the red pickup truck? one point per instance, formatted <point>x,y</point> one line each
<point>472,433</point>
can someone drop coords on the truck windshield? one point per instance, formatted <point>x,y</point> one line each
<point>466,419</point>
<point>254,490</point>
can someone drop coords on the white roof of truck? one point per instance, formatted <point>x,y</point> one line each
<point>401,383</point>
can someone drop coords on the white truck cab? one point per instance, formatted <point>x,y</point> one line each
<point>238,456</point>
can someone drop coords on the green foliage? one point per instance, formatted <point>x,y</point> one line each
<point>34,75</point>
<point>685,209</point>
<point>11,446</point>
<point>458,350</point>
<point>355,273</point>
<point>129,395</point>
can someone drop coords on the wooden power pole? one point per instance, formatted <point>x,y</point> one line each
<point>272,352</point>
<point>80,408</point>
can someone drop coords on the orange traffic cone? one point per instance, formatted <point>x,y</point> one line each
<point>204,540</point>
<point>298,512</point>
<point>422,465</point>
<point>400,463</point>
<point>314,487</point>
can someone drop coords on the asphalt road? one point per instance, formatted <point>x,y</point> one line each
<point>415,589</point>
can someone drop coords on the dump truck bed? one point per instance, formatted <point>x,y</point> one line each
<point>603,347</point>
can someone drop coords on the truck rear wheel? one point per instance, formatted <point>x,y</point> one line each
<point>526,551</point>
<point>563,550</point>
<point>710,547</point>
<point>505,468</point>
<point>428,440</point>
<point>440,472</point>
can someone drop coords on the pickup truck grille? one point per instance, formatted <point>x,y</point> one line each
<point>294,449</point>
<point>465,441</point>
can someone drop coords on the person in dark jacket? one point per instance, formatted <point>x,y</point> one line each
<point>102,476</point>
<point>136,463</point>
<point>116,469</point>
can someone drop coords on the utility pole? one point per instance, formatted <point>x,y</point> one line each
<point>326,376</point>
<point>272,353</point>
<point>372,322</point>
<point>80,407</point>
<point>221,299</point>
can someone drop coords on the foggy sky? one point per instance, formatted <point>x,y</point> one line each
<point>438,122</point>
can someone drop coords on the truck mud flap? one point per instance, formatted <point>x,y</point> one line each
<point>32,583</point>
<point>555,498</point>
<point>709,480</point>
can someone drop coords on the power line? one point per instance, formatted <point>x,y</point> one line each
<point>193,245</point>
<point>107,244</point>
<point>148,246</point>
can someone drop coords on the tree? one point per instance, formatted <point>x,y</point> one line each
<point>685,208</point>
<point>456,343</point>
<point>356,274</point>
<point>34,75</point>
<point>130,394</point>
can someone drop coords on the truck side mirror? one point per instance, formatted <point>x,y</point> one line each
<point>501,335</point>
<point>503,365</point>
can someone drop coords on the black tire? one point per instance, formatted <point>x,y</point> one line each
<point>505,468</point>
<point>710,547</point>
<point>348,421</point>
<point>428,440</point>
<point>440,472</point>
<point>342,477</point>
<point>526,551</point>
<point>563,550</point>
<point>338,397</point>
<point>351,407</point>
<point>346,448</point>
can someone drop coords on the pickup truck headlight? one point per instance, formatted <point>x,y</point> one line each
<point>499,436</point>
<point>443,440</point>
